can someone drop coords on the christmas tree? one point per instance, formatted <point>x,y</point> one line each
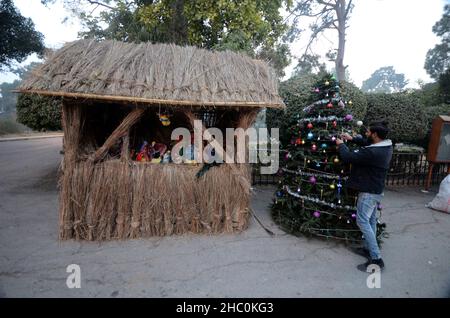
<point>312,197</point>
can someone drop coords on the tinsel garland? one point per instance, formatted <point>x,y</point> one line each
<point>315,200</point>
<point>321,119</point>
<point>307,109</point>
<point>308,174</point>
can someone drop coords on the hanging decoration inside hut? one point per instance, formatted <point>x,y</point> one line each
<point>165,121</point>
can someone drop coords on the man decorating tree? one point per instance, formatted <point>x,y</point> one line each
<point>369,168</point>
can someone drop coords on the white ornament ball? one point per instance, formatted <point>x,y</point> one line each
<point>359,123</point>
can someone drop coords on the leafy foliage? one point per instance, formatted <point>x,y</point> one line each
<point>253,27</point>
<point>402,111</point>
<point>18,37</point>
<point>384,80</point>
<point>428,95</point>
<point>356,100</point>
<point>39,112</point>
<point>438,58</point>
<point>8,99</point>
<point>444,86</point>
<point>309,63</point>
<point>430,114</point>
<point>296,94</point>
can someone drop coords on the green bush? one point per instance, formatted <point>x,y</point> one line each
<point>403,112</point>
<point>428,95</point>
<point>296,94</point>
<point>434,111</point>
<point>39,112</point>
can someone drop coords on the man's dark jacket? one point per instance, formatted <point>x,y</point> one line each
<point>369,165</point>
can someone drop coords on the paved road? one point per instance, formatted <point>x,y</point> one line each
<point>252,264</point>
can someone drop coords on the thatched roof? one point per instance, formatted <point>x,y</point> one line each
<point>155,74</point>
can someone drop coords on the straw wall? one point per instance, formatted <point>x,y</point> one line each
<point>121,200</point>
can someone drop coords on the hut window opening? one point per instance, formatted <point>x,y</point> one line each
<point>149,139</point>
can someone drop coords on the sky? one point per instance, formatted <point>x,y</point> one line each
<point>381,33</point>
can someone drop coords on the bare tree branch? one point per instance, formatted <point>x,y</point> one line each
<point>101,4</point>
<point>327,3</point>
<point>316,33</point>
<point>347,11</point>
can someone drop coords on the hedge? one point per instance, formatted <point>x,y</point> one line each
<point>39,112</point>
<point>404,113</point>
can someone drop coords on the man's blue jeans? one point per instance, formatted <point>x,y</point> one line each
<point>366,218</point>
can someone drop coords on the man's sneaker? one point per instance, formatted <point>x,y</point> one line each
<point>361,251</point>
<point>371,266</point>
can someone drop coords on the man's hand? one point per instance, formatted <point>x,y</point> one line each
<point>339,141</point>
<point>346,136</point>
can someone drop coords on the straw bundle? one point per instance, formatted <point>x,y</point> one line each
<point>155,74</point>
<point>120,200</point>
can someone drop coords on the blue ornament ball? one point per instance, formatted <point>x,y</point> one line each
<point>310,135</point>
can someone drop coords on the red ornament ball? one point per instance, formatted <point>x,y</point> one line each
<point>310,126</point>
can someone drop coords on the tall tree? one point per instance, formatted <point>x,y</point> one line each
<point>438,58</point>
<point>444,86</point>
<point>384,80</point>
<point>255,27</point>
<point>328,14</point>
<point>18,37</point>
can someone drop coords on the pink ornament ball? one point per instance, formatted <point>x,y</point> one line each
<point>316,214</point>
<point>312,180</point>
<point>348,117</point>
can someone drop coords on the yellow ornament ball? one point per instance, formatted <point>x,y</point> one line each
<point>332,186</point>
<point>336,160</point>
<point>165,121</point>
<point>327,83</point>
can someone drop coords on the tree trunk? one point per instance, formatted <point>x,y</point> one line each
<point>178,24</point>
<point>341,17</point>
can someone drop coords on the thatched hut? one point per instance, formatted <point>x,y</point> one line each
<point>113,96</point>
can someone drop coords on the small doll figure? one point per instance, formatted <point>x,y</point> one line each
<point>157,150</point>
<point>143,154</point>
<point>166,157</point>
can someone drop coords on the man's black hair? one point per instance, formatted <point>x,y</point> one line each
<point>379,127</point>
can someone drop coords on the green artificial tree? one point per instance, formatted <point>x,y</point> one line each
<point>312,197</point>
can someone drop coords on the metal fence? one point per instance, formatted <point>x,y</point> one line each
<point>406,169</point>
